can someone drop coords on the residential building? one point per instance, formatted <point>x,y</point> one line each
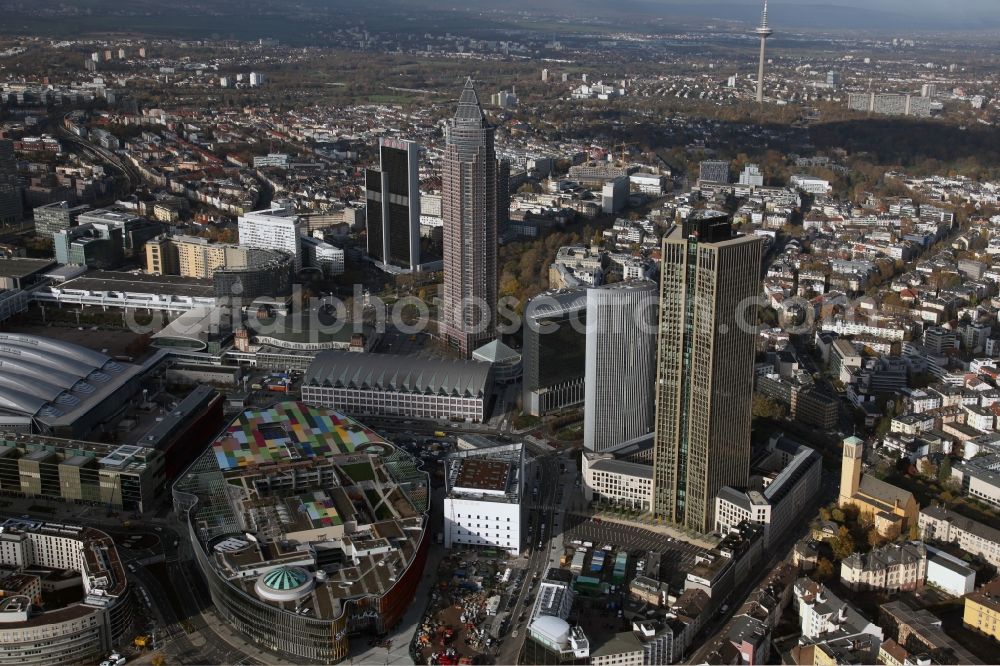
<point>845,360</point>
<point>892,568</point>
<point>614,195</point>
<point>982,609</point>
<point>621,350</point>
<point>751,176</point>
<point>192,256</point>
<point>276,228</point>
<point>483,505</point>
<point>475,203</point>
<point>39,626</point>
<point>810,184</point>
<point>710,280</point>
<point>921,631</point>
<point>941,524</point>
<point>648,183</point>
<point>822,615</point>
<point>714,171</point>
<point>392,196</point>
<point>890,104</point>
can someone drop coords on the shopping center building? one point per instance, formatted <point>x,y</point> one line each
<point>309,528</point>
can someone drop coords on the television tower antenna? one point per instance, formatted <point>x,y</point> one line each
<point>764,31</point>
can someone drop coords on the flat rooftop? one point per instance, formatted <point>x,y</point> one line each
<point>140,283</point>
<point>481,474</point>
<point>21,267</point>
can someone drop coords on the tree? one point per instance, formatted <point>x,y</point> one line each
<point>914,532</point>
<point>944,470</point>
<point>767,408</point>
<point>928,469</point>
<point>875,540</point>
<point>824,513</point>
<point>158,660</point>
<point>824,569</point>
<point>837,514</point>
<point>843,544</point>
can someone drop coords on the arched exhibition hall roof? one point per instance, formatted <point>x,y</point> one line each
<point>41,376</point>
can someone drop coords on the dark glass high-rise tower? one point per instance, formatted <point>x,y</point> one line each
<point>474,203</point>
<point>710,280</point>
<point>392,196</point>
<point>11,210</point>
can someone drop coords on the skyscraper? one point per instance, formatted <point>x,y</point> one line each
<point>392,193</point>
<point>619,369</point>
<point>710,280</point>
<point>554,350</point>
<point>474,203</point>
<point>764,31</point>
<point>10,191</point>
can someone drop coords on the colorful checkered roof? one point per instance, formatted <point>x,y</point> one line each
<point>288,432</point>
<point>321,513</point>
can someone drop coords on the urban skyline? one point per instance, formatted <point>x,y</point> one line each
<point>651,333</point>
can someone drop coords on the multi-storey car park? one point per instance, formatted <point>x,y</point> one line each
<point>308,527</point>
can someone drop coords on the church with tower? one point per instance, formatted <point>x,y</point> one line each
<point>889,508</point>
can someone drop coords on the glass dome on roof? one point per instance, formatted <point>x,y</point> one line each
<point>286,578</point>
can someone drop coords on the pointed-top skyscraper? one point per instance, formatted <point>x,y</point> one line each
<point>474,203</point>
<point>764,31</point>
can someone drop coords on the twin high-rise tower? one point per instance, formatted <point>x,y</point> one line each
<point>475,202</point>
<point>710,283</point>
<point>392,196</point>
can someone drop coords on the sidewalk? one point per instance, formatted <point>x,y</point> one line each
<point>402,635</point>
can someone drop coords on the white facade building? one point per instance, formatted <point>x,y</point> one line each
<point>320,254</point>
<point>81,632</point>
<point>618,482</point>
<point>810,184</point>
<point>648,183</point>
<point>941,524</point>
<point>274,229</point>
<point>621,352</point>
<point>483,503</point>
<point>785,482</point>
<point>949,574</point>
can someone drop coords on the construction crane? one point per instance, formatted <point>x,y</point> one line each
<point>624,145</point>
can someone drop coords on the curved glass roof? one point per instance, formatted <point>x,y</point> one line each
<point>37,373</point>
